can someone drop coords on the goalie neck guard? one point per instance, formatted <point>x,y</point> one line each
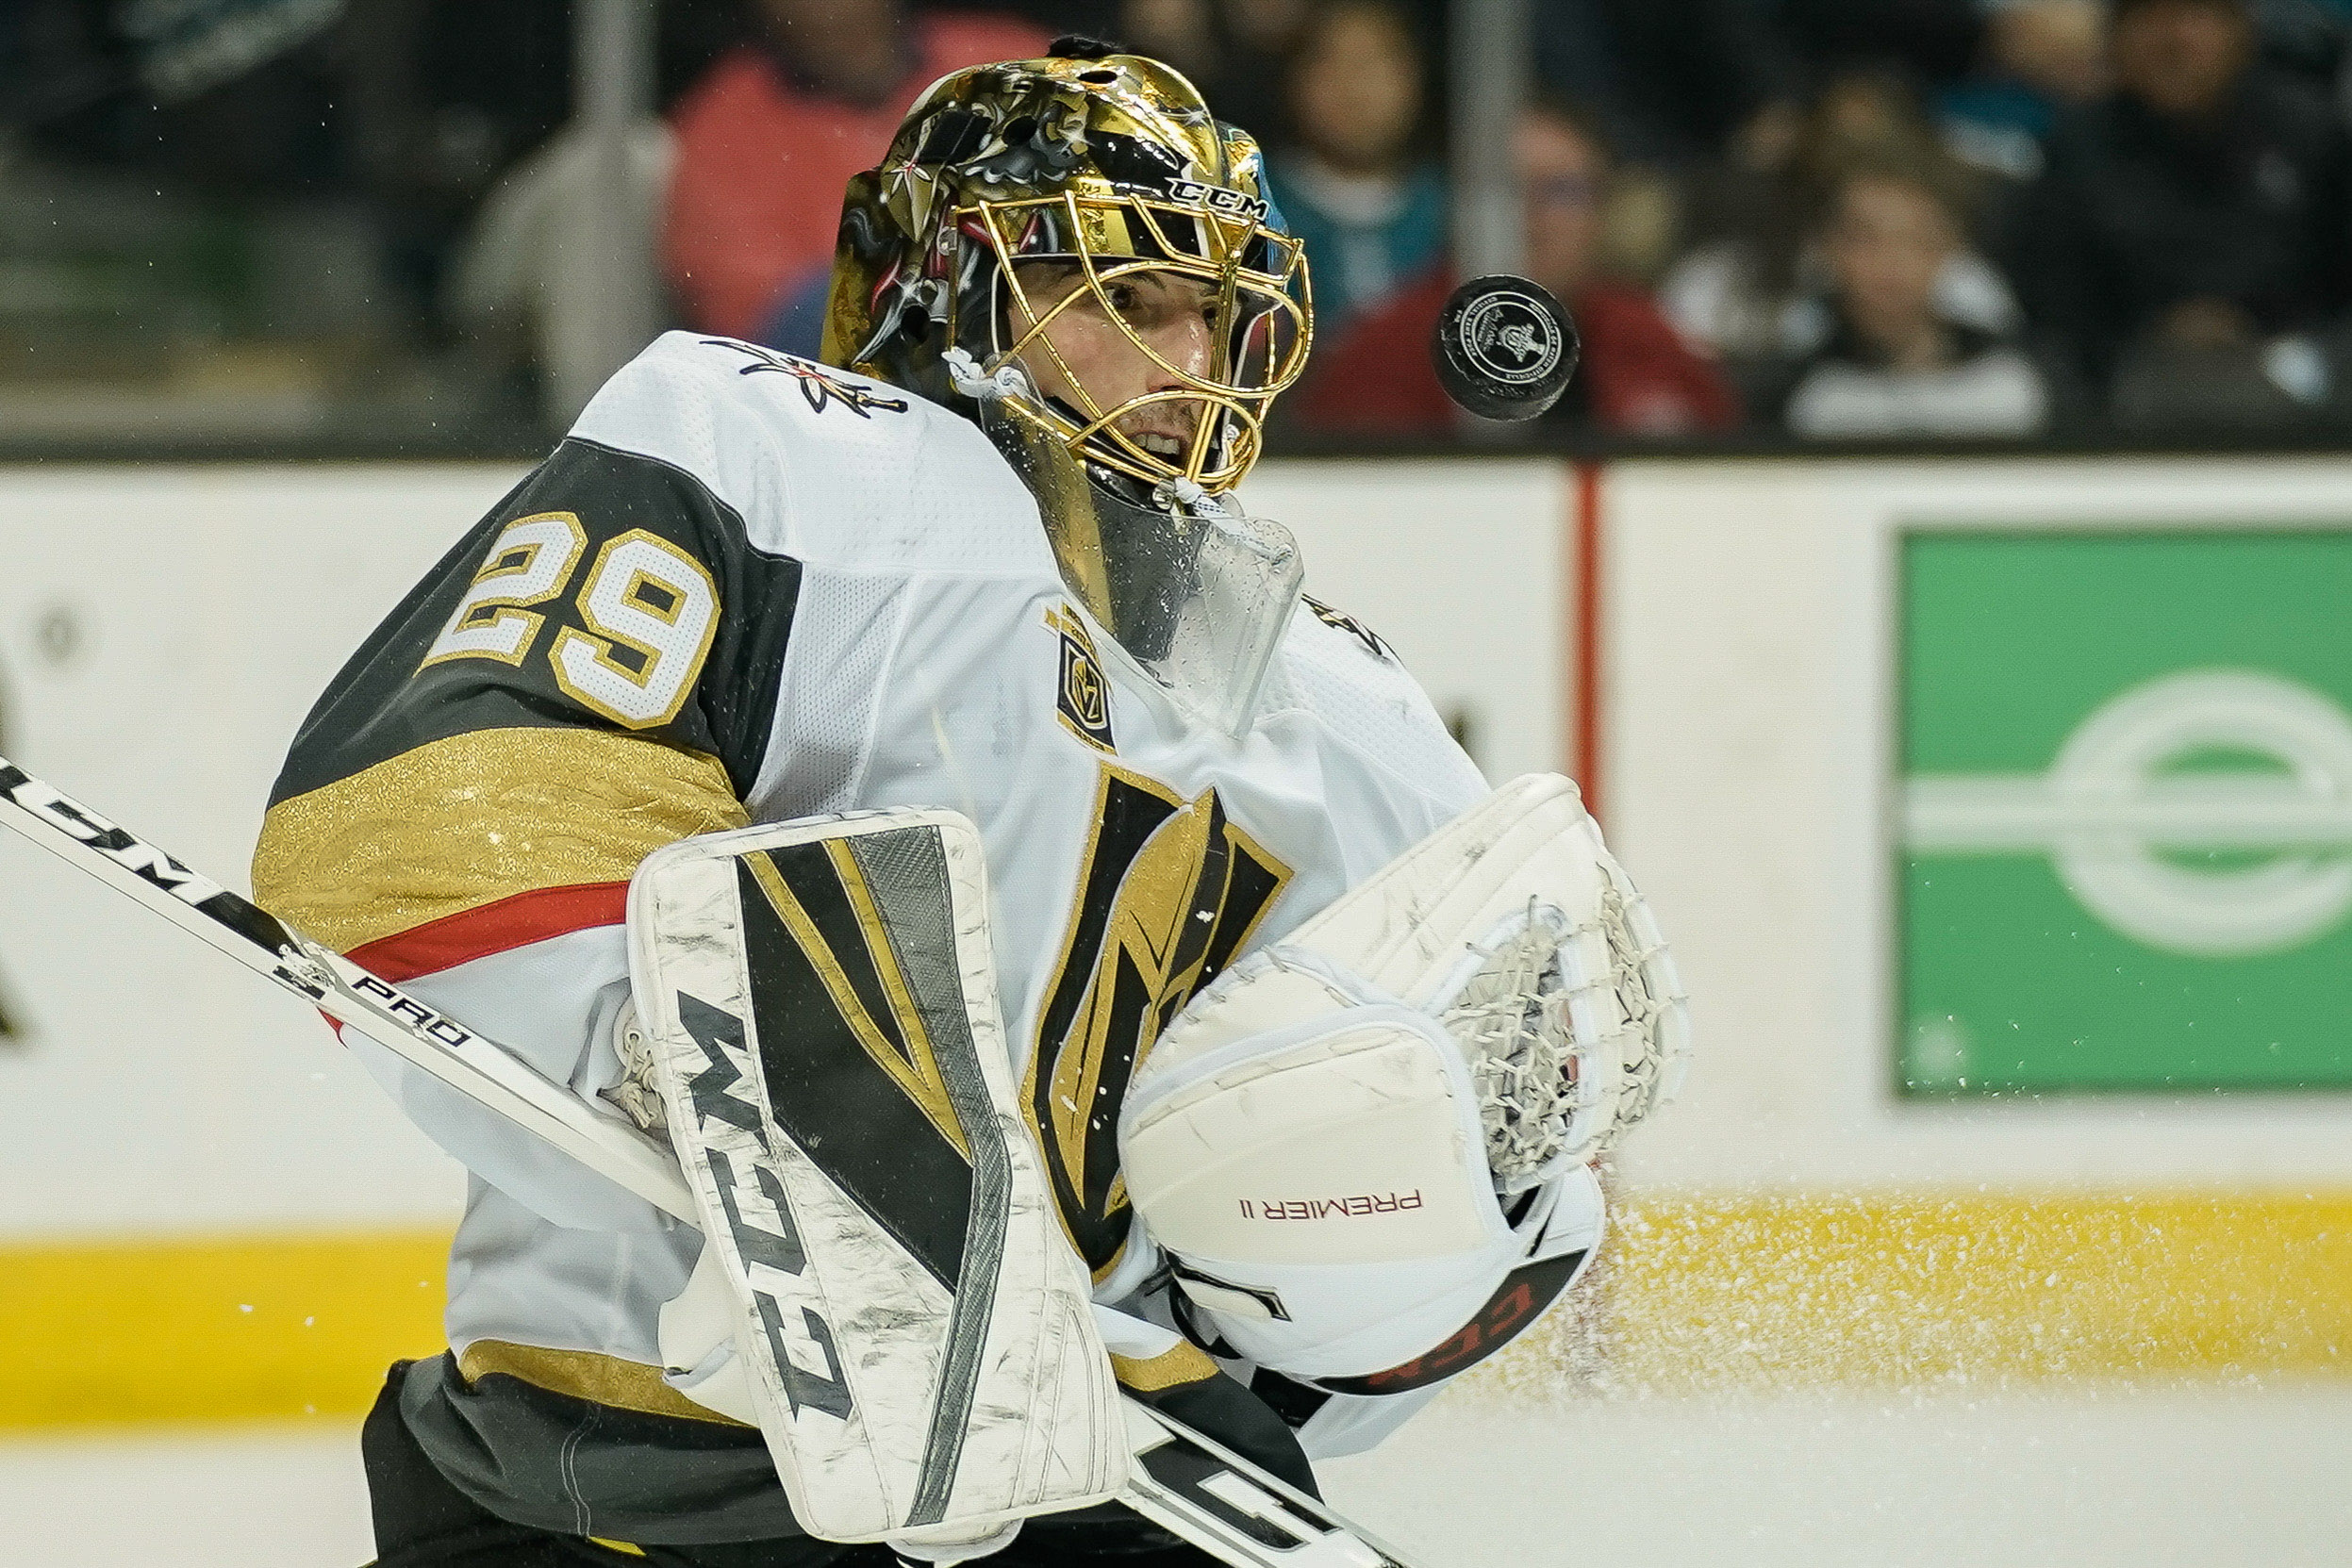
<point>1112,166</point>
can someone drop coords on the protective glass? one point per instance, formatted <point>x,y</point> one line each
<point>1197,593</point>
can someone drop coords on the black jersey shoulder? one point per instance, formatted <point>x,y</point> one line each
<point>391,697</point>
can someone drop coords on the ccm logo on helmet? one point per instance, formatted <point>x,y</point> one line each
<point>1223,198</point>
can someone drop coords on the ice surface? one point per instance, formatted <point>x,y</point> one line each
<point>2083,1476</point>
<point>2088,1476</point>
<point>256,1497</point>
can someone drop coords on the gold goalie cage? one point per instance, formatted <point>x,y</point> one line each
<point>1260,314</point>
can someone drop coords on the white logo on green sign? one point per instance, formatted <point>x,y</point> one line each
<point>2125,852</point>
<point>2108,809</point>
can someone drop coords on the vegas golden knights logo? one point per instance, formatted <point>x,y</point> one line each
<point>1168,892</point>
<point>1082,700</point>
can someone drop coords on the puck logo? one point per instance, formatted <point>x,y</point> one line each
<point>1509,336</point>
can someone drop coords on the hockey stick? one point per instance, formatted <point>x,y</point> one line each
<point>1181,1481</point>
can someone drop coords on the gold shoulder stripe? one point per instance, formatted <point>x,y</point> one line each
<point>463,822</point>
<point>600,1380</point>
<point>1183,1362</point>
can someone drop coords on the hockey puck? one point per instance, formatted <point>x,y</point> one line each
<point>1504,347</point>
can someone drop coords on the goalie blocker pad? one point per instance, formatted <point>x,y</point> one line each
<point>916,1335</point>
<point>1343,1145</point>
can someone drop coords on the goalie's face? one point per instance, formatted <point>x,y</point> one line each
<point>1126,351</point>
<point>1156,334</point>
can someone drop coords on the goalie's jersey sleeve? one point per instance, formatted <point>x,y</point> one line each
<point>590,674</point>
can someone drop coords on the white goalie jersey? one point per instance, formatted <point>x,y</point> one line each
<point>750,590</point>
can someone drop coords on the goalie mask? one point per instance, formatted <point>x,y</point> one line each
<point>1021,201</point>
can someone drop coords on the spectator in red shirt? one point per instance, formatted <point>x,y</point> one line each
<point>1638,376</point>
<point>769,137</point>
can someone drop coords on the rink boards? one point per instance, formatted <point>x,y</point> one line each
<point>1767,673</point>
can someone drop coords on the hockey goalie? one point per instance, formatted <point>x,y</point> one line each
<point>1068,965</point>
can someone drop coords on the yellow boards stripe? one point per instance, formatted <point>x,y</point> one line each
<point>216,1329</point>
<point>1706,1291</point>
<point>1693,1293</point>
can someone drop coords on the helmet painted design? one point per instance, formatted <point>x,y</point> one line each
<point>1113,166</point>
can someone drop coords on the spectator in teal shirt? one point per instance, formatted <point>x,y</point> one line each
<point>1353,184</point>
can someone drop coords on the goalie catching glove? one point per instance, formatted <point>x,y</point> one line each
<point>1365,1150</point>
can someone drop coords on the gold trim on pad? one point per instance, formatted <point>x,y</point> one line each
<point>463,822</point>
<point>1184,1362</point>
<point>586,1374</point>
<point>920,1076</point>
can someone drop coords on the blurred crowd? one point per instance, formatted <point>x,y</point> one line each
<point>1860,219</point>
<point>1837,220</point>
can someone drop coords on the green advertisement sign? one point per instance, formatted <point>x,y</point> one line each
<point>2124,844</point>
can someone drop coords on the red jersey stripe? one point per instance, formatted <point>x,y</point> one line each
<point>494,927</point>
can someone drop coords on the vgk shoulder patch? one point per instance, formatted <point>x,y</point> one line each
<point>1082,698</point>
<point>1340,621</point>
<point>919,1339</point>
<point>823,388</point>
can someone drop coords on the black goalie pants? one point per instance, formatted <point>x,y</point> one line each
<point>422,1521</point>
